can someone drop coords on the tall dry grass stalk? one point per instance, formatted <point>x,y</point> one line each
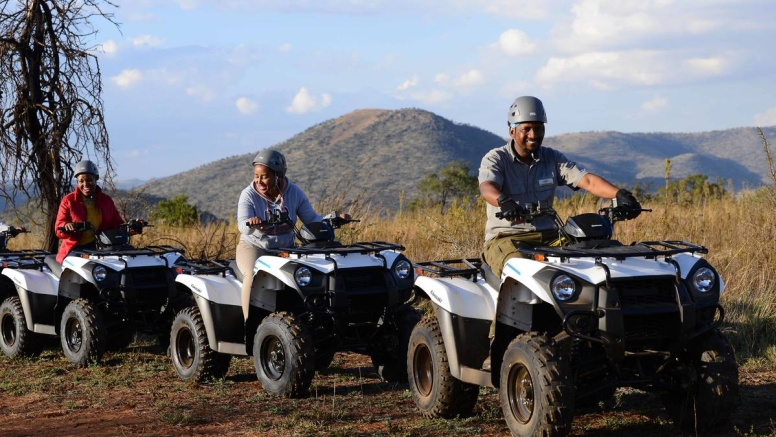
<point>738,231</point>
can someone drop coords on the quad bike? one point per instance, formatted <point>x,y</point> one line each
<point>307,303</point>
<point>575,320</point>
<point>97,299</point>
<point>15,339</point>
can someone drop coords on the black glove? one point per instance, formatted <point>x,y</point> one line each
<point>631,208</point>
<point>510,210</point>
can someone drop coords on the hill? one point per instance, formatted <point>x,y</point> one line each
<point>374,153</point>
<point>380,154</point>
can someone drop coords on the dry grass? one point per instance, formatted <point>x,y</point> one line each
<point>739,233</point>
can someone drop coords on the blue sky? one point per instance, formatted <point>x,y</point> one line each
<point>187,82</point>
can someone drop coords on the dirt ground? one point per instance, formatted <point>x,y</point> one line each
<point>136,393</point>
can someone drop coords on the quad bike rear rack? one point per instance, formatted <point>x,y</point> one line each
<point>132,252</point>
<point>645,249</point>
<point>466,267</point>
<point>203,267</point>
<point>364,248</point>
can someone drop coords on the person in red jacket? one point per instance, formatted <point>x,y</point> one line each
<point>87,203</point>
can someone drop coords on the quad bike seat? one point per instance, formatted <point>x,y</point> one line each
<point>490,277</point>
<point>53,265</point>
<point>237,273</point>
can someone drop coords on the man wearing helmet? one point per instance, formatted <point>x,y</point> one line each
<point>523,172</point>
<point>87,203</point>
<point>269,194</point>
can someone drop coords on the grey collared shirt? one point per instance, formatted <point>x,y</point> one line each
<point>526,183</point>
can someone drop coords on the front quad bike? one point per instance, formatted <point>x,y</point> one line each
<point>307,303</point>
<point>576,320</point>
<point>97,299</point>
<point>18,336</point>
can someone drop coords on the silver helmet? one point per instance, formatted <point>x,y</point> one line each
<point>272,159</point>
<point>87,166</point>
<point>526,108</point>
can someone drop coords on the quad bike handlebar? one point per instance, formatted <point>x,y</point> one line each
<point>136,225</point>
<point>13,231</point>
<point>333,219</point>
<point>533,210</point>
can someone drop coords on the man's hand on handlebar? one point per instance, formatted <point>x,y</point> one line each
<point>630,208</point>
<point>510,210</point>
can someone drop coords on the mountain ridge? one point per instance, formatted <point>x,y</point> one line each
<point>383,154</point>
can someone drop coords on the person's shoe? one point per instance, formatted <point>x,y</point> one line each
<point>486,364</point>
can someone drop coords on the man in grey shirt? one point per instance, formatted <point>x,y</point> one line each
<point>523,172</point>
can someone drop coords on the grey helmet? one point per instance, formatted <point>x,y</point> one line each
<point>272,159</point>
<point>526,108</point>
<point>87,166</point>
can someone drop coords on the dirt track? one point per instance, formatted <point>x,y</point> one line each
<point>136,393</point>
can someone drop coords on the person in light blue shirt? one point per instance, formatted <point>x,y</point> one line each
<point>268,195</point>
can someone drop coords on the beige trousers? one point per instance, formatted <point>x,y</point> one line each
<point>246,257</point>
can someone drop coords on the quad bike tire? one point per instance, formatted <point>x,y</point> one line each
<point>119,338</point>
<point>435,391</point>
<point>83,334</point>
<point>191,355</point>
<point>390,355</point>
<point>713,396</point>
<point>16,340</point>
<point>284,355</point>
<point>323,360</point>
<point>536,390</point>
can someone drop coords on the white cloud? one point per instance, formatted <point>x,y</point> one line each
<point>515,42</point>
<point>605,69</point>
<point>246,106</point>
<point>767,118</point>
<point>407,84</point>
<point>109,47</point>
<point>285,47</point>
<point>127,78</point>
<point>442,78</point>
<point>470,78</point>
<point>145,41</point>
<point>202,92</point>
<point>305,102</point>
<point>600,24</point>
<point>325,100</point>
<point>707,66</point>
<point>655,104</point>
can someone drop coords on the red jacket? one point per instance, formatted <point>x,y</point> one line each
<point>72,209</point>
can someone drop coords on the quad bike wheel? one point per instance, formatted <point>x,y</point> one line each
<point>82,333</point>
<point>390,352</point>
<point>713,395</point>
<point>435,391</point>
<point>15,339</point>
<point>323,360</point>
<point>284,355</point>
<point>536,391</point>
<point>190,352</point>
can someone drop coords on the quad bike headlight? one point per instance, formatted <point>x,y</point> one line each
<point>704,279</point>
<point>402,269</point>
<point>563,287</point>
<point>99,273</point>
<point>303,276</point>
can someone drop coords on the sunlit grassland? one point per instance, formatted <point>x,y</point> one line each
<point>739,233</point>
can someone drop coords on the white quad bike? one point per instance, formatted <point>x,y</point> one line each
<point>15,339</point>
<point>575,321</point>
<point>97,299</point>
<point>307,303</point>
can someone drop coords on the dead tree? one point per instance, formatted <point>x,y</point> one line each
<point>51,109</point>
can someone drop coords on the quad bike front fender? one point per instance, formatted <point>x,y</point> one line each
<point>43,283</point>
<point>460,296</point>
